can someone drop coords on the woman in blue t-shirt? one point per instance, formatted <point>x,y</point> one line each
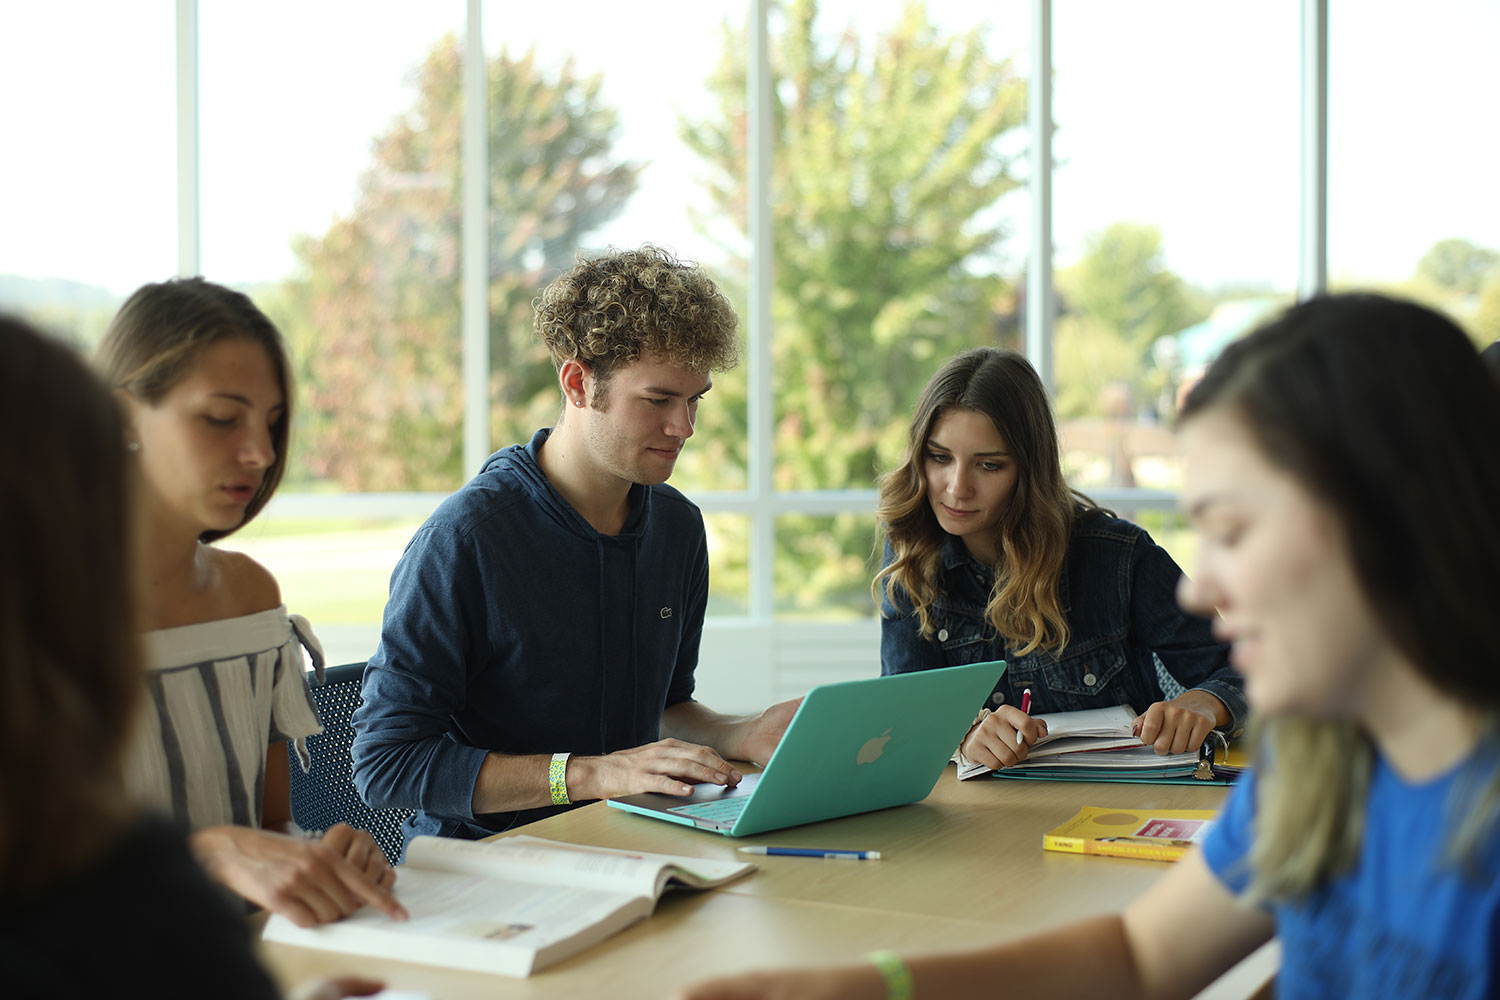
<point>1342,474</point>
<point>990,556</point>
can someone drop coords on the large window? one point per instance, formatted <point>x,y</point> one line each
<point>897,174</point>
<point>88,177</point>
<point>1413,202</point>
<point>868,216</point>
<point>331,193</point>
<point>1176,214</point>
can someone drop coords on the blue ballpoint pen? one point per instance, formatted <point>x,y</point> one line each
<point>811,852</point>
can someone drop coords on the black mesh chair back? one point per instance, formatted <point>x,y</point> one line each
<point>326,795</point>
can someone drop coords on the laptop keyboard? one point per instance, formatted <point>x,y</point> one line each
<point>717,811</point>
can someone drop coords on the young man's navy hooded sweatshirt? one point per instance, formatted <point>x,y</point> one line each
<point>514,626</point>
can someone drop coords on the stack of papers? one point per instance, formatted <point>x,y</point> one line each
<point>1091,729</point>
<point>1095,744</point>
<point>1125,764</point>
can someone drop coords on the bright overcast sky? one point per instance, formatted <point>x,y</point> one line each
<point>1179,113</point>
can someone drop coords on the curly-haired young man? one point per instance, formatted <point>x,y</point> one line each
<point>543,625</point>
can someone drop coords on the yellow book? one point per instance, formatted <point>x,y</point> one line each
<point>1154,834</point>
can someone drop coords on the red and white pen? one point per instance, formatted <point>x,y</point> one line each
<point>1025,707</point>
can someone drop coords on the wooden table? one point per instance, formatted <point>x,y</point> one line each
<point>961,868</point>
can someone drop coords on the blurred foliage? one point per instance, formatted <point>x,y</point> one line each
<point>729,564</point>
<point>1456,276</point>
<point>1459,266</point>
<point>887,163</point>
<point>825,564</point>
<point>889,156</point>
<point>891,150</point>
<point>1485,327</point>
<point>1118,301</point>
<point>373,316</point>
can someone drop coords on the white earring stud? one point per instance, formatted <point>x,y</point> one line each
<point>577,402</point>
<point>132,446</point>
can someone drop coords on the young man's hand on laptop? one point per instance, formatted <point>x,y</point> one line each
<point>670,767</point>
<point>763,732</point>
<point>737,737</point>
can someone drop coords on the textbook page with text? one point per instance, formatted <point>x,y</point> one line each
<point>510,906</point>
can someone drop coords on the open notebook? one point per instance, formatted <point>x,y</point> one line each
<point>1099,744</point>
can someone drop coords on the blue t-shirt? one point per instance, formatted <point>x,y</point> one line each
<point>1402,923</point>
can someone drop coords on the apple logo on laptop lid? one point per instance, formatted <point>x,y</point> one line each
<point>874,747</point>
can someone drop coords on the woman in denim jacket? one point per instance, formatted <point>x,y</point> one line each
<point>989,555</point>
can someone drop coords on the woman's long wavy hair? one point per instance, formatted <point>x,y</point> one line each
<point>69,665</point>
<point>1034,528</point>
<point>1384,413</point>
<point>159,333</point>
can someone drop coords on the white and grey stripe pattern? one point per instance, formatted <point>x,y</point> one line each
<point>218,694</point>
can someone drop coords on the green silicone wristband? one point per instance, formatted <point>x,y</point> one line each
<point>557,779</point>
<point>898,984</point>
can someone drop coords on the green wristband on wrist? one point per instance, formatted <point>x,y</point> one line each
<point>557,779</point>
<point>898,984</point>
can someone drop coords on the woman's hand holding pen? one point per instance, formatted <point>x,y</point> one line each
<point>1003,737</point>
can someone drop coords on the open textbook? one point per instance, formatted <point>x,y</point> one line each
<point>1098,744</point>
<point>1158,835</point>
<point>511,906</point>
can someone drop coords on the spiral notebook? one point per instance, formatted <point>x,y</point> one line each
<point>1098,744</point>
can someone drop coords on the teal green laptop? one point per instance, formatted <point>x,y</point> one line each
<point>850,748</point>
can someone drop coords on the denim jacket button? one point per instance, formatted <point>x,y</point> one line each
<point>1090,679</point>
<point>998,697</point>
<point>942,635</point>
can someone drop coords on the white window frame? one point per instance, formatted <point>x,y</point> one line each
<point>751,659</point>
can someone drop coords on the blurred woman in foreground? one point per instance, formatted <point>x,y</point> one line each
<point>1342,473</point>
<point>92,894</point>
